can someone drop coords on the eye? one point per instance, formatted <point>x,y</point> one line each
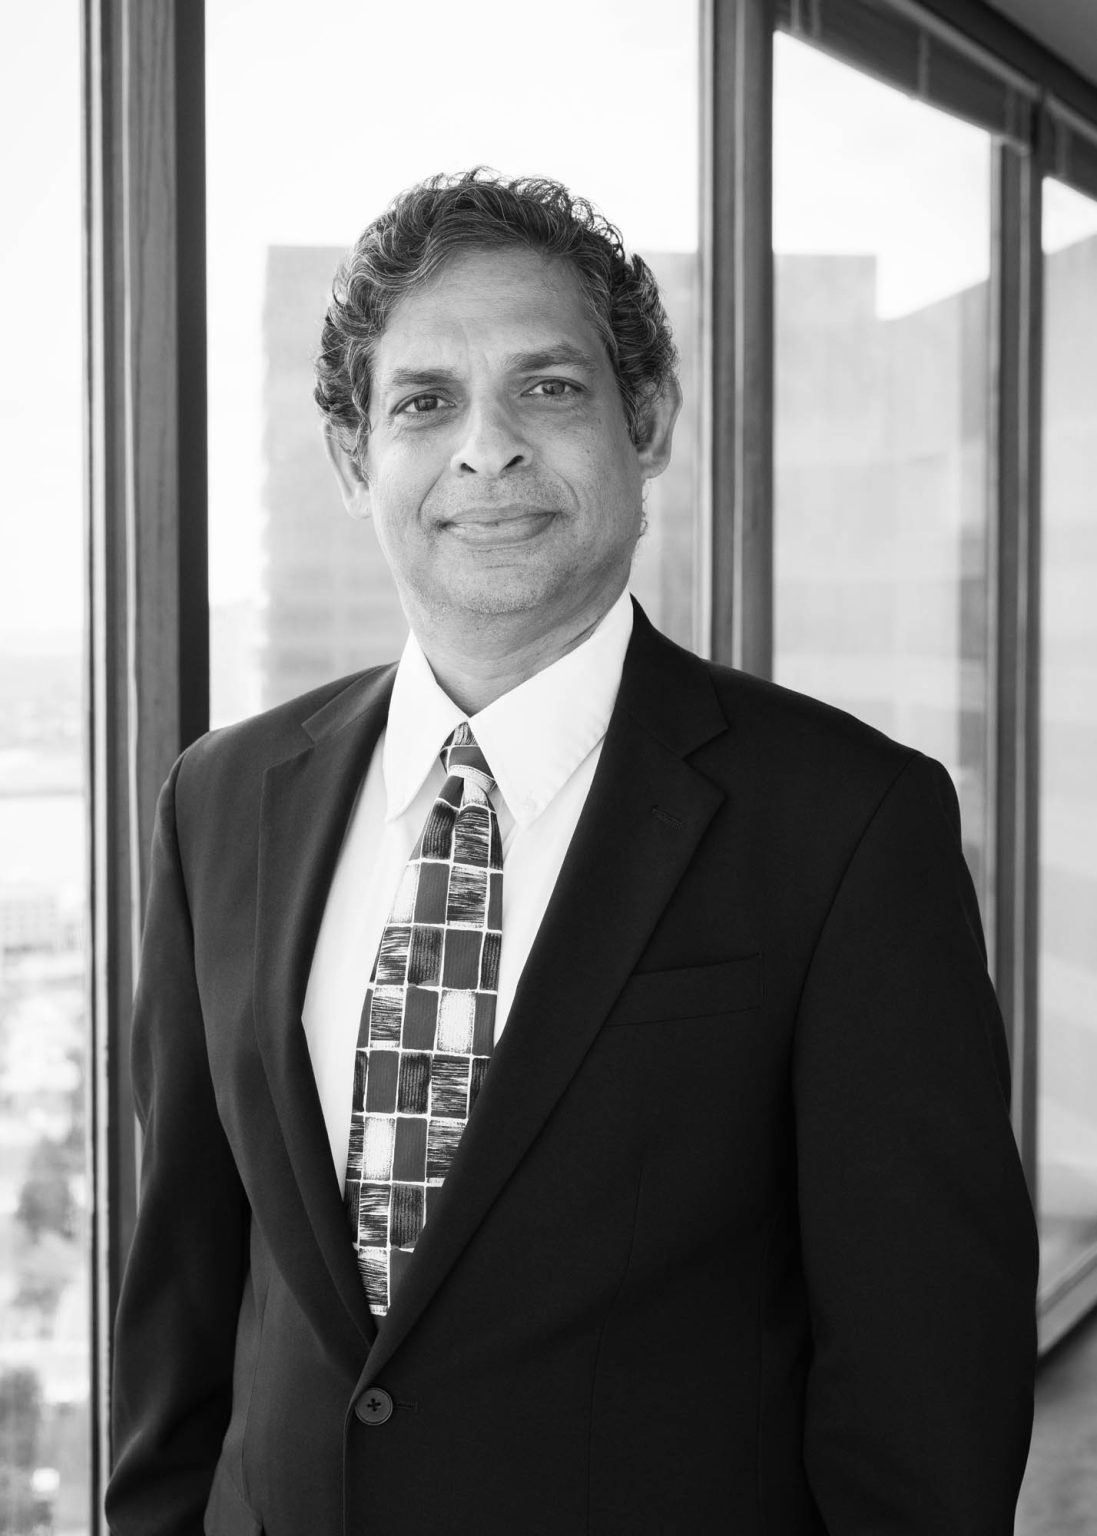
<point>553,389</point>
<point>420,405</point>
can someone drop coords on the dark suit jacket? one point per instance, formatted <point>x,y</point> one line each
<point>736,1240</point>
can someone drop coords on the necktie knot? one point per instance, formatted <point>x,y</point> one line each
<point>462,759</point>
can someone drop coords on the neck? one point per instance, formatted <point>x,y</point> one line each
<point>496,653</point>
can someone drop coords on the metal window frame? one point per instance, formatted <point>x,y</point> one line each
<point>737,36</point>
<point>1071,147</point>
<point>1017,328</point>
<point>148,627</point>
<point>914,50</point>
<point>1002,40</point>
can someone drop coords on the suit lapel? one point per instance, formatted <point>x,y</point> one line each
<point>307,802</point>
<point>645,814</point>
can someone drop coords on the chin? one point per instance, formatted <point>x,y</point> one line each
<point>495,597</point>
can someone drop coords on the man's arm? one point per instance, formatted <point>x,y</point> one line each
<point>918,1239</point>
<point>176,1325</point>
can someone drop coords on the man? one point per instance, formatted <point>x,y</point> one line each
<point>692,1208</point>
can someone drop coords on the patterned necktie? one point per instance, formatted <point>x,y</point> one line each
<point>428,1022</point>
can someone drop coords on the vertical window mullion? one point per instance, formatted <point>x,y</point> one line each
<point>144,242</point>
<point>110,863</point>
<point>739,35</point>
<point>1019,311</point>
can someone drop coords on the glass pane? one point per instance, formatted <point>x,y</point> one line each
<point>1067,1114</point>
<point>45,1346</point>
<point>882,234</point>
<point>299,593</point>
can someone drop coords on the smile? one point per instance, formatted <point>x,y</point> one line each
<point>499,525</point>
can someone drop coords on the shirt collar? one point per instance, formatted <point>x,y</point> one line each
<point>534,737</point>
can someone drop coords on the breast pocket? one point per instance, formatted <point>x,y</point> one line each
<point>690,992</point>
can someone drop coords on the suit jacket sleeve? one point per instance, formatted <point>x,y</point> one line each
<point>181,1294</point>
<point>918,1240</point>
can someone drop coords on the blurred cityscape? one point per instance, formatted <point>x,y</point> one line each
<point>44,1205</point>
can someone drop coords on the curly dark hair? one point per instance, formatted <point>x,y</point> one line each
<point>478,210</point>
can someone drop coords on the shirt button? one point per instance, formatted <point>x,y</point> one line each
<point>374,1406</point>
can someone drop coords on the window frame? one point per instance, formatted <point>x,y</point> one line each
<point>147,638</point>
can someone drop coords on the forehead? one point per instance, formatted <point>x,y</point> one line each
<point>509,300</point>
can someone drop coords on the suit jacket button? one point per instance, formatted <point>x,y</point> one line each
<point>374,1406</point>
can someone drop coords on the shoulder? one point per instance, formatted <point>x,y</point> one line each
<point>229,762</point>
<point>793,746</point>
<point>776,719</point>
<point>729,713</point>
<point>799,769</point>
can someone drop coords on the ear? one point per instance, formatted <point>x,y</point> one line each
<point>660,414</point>
<point>352,484</point>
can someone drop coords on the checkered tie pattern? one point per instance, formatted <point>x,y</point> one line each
<point>428,1021</point>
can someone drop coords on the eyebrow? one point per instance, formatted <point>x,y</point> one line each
<point>425,377</point>
<point>556,355</point>
<point>559,354</point>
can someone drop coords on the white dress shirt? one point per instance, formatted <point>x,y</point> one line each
<point>542,741</point>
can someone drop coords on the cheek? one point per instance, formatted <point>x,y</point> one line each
<point>581,458</point>
<point>611,454</point>
<point>610,480</point>
<point>398,491</point>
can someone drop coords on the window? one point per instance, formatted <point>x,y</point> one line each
<point>882,235</point>
<point>299,593</point>
<point>45,1348</point>
<point>1067,1140</point>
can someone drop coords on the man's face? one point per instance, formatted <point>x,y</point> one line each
<point>499,470</point>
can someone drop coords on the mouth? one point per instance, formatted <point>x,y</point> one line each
<point>498,525</point>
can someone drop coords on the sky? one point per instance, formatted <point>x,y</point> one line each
<point>317,115</point>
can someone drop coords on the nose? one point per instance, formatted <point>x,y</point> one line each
<point>492,441</point>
